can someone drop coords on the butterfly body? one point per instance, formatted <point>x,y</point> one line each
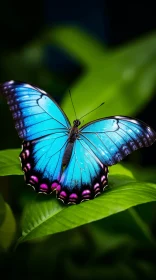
<point>67,159</point>
<point>73,135</point>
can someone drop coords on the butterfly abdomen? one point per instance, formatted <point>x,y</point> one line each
<point>67,154</point>
<point>72,138</point>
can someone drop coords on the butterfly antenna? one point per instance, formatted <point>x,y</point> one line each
<point>93,110</point>
<point>72,103</point>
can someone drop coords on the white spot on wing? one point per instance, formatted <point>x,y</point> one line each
<point>134,121</point>
<point>11,82</point>
<point>28,86</point>
<point>119,117</point>
<point>41,90</point>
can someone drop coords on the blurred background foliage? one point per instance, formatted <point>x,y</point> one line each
<point>103,52</point>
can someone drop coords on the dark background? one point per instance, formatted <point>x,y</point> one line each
<point>114,23</point>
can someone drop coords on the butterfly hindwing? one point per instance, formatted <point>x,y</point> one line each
<point>111,139</point>
<point>42,161</point>
<point>84,177</point>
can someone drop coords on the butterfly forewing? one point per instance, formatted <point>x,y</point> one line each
<point>34,112</point>
<point>113,138</point>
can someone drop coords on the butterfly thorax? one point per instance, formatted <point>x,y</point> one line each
<point>73,135</point>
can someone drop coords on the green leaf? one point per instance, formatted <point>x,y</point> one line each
<point>7,229</point>
<point>2,210</point>
<point>84,48</point>
<point>120,170</point>
<point>10,163</point>
<point>141,173</point>
<point>47,216</point>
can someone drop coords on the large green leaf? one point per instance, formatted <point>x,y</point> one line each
<point>141,173</point>
<point>9,162</point>
<point>46,215</point>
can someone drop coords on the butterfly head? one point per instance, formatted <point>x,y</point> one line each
<point>76,123</point>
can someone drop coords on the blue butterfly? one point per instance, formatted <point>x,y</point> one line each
<point>59,157</point>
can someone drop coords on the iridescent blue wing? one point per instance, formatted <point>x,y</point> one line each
<point>84,177</point>
<point>35,113</point>
<point>101,143</point>
<point>44,128</point>
<point>113,138</point>
<point>41,161</point>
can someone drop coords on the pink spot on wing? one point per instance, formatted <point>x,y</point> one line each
<point>96,186</point>
<point>34,178</point>
<point>73,196</point>
<point>27,152</point>
<point>63,194</point>
<point>86,192</point>
<point>43,187</point>
<point>28,165</point>
<point>102,178</point>
<point>97,189</point>
<point>54,186</point>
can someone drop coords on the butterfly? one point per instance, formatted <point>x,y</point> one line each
<point>67,159</point>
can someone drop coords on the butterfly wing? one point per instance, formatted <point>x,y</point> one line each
<point>44,128</point>
<point>41,161</point>
<point>84,177</point>
<point>113,138</point>
<point>33,110</point>
<point>101,143</point>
